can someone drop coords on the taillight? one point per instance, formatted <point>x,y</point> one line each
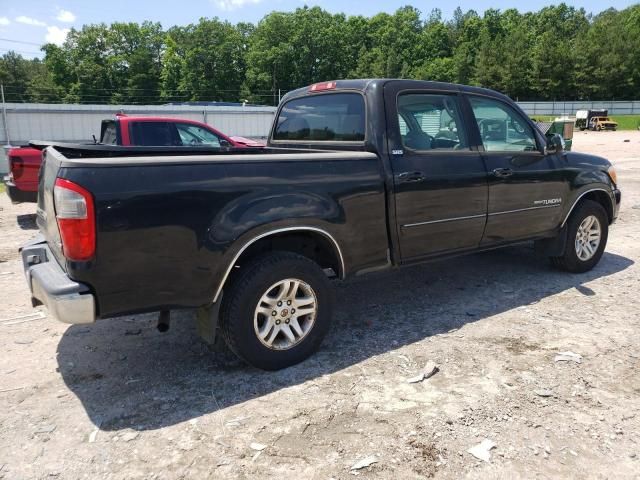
<point>76,220</point>
<point>17,166</point>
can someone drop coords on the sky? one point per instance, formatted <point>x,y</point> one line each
<point>26,25</point>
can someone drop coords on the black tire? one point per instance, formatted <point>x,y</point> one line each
<point>569,260</point>
<point>241,298</point>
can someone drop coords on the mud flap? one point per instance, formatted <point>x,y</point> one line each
<point>207,321</point>
<point>552,247</point>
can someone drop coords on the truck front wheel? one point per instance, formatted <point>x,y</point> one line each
<point>277,310</point>
<point>587,232</point>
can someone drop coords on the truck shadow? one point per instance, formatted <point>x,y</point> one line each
<point>127,375</point>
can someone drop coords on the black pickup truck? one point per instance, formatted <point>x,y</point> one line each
<point>358,176</point>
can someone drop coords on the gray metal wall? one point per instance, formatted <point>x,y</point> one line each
<point>76,123</point>
<point>570,108</point>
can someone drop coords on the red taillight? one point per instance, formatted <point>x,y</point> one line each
<point>16,166</point>
<point>316,87</point>
<point>76,220</point>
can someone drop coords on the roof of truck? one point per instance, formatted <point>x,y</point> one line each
<point>366,84</point>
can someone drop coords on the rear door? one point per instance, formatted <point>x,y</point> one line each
<point>440,182</point>
<point>526,186</point>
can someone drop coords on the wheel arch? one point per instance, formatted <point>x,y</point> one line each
<point>597,194</point>
<point>312,242</point>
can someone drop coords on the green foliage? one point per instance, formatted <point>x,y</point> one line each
<point>559,52</point>
<point>627,122</point>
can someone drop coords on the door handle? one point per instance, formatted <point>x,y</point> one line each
<point>408,177</point>
<point>502,172</point>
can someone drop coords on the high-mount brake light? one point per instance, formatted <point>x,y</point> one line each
<point>316,87</point>
<point>75,215</point>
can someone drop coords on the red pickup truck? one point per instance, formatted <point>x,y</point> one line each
<point>24,162</point>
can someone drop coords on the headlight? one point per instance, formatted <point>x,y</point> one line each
<point>612,173</point>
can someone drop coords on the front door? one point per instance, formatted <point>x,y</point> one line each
<point>526,186</point>
<point>440,183</point>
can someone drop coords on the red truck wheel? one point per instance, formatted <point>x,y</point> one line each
<point>277,310</point>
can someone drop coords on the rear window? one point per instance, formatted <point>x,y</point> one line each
<point>109,133</point>
<point>335,117</point>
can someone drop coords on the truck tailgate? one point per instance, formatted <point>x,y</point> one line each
<point>46,214</point>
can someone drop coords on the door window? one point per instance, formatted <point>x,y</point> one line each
<point>154,134</point>
<point>502,128</point>
<point>196,135</point>
<point>430,122</point>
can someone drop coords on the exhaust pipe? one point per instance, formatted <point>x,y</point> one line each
<point>164,320</point>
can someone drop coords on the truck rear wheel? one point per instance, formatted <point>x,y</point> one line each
<point>587,232</point>
<point>277,310</point>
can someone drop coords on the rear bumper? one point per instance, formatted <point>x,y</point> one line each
<point>68,301</point>
<point>19,196</point>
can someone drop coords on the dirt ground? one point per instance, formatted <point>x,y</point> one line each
<point>121,400</point>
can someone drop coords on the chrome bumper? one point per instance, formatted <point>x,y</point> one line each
<point>68,301</point>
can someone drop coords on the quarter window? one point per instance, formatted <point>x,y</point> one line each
<point>501,128</point>
<point>430,122</point>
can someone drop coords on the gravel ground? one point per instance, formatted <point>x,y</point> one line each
<point>120,400</point>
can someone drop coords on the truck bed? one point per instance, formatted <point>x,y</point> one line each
<point>169,222</point>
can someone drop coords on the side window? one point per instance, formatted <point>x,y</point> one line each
<point>154,134</point>
<point>195,135</point>
<point>431,122</point>
<point>502,129</point>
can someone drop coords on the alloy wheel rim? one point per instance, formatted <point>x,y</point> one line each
<point>588,238</point>
<point>285,314</point>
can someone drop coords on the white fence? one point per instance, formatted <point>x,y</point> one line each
<point>570,108</point>
<point>77,123</point>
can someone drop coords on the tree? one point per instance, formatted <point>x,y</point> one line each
<point>558,52</point>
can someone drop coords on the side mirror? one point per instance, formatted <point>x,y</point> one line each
<point>555,144</point>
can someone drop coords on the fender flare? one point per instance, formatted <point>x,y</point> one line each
<point>602,189</point>
<point>276,231</point>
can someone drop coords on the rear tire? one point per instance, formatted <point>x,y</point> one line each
<point>259,321</point>
<point>587,233</point>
